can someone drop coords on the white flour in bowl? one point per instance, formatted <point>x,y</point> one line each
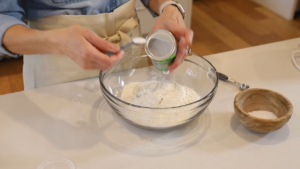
<point>158,94</point>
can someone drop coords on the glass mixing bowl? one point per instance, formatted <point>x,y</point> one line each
<point>195,72</point>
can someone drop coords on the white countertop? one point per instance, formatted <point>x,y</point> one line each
<point>73,121</point>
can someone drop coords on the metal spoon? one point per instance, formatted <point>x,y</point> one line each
<point>134,41</point>
<point>228,79</point>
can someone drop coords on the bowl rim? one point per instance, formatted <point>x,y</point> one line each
<point>237,106</point>
<point>210,94</point>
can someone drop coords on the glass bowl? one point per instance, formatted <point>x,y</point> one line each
<point>195,72</point>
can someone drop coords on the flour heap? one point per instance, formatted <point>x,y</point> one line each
<point>158,94</point>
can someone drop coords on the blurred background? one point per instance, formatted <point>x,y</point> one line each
<point>219,26</point>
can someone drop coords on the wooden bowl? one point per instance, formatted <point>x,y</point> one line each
<point>266,100</point>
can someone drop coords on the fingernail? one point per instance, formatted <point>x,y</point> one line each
<point>121,54</point>
<point>170,69</point>
<point>116,47</point>
<point>191,36</point>
<point>182,40</point>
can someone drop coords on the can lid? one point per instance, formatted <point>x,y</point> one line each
<point>160,45</point>
<point>57,163</point>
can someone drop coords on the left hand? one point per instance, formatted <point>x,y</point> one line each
<point>172,20</point>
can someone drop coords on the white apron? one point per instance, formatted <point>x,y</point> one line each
<point>49,69</point>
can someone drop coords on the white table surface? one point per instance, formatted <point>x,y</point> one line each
<point>73,121</point>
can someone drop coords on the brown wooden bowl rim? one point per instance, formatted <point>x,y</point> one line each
<point>288,114</point>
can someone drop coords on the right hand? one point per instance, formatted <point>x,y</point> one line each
<point>84,46</point>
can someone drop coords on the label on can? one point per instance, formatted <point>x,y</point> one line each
<point>163,65</point>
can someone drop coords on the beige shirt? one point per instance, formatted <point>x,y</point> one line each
<point>49,69</point>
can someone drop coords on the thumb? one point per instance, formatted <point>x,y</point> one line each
<point>189,35</point>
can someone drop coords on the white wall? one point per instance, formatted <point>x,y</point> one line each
<point>285,8</point>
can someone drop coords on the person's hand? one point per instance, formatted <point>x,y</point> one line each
<point>84,47</point>
<point>172,20</point>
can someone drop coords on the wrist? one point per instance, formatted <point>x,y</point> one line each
<point>156,4</point>
<point>172,11</point>
<point>170,8</point>
<point>49,41</point>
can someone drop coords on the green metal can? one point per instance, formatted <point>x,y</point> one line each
<point>161,48</point>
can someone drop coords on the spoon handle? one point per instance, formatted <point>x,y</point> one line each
<point>228,79</point>
<point>123,47</point>
<point>222,76</point>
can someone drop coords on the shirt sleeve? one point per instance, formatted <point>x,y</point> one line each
<point>11,13</point>
<point>146,4</point>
